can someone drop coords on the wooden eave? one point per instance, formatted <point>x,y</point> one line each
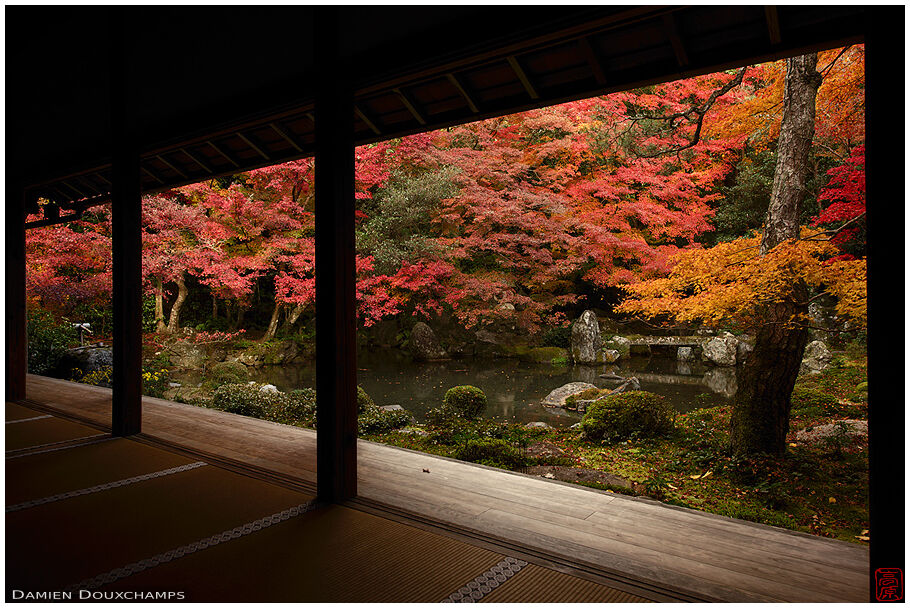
<point>626,49</point>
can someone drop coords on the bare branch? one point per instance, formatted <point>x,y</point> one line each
<point>695,113</point>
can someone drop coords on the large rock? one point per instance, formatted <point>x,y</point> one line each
<point>186,354</point>
<point>586,340</point>
<point>558,396</point>
<point>423,344</point>
<point>850,430</point>
<point>86,359</point>
<point>685,353</point>
<point>816,357</point>
<point>721,350</point>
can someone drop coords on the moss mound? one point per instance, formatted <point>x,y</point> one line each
<point>635,414</point>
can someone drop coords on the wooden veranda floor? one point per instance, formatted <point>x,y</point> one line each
<point>637,545</point>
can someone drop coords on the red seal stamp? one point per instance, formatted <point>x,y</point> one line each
<point>889,584</point>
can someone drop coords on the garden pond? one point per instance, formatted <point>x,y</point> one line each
<point>514,388</point>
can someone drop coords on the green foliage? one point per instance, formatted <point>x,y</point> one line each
<point>398,228</point>
<point>460,402</point>
<point>245,399</point>
<point>493,452</point>
<point>155,380</point>
<point>557,336</point>
<point>228,372</point>
<point>374,419</point>
<point>148,315</point>
<point>48,338</point>
<point>637,414</point>
<point>298,408</point>
<point>364,401</point>
<point>99,377</point>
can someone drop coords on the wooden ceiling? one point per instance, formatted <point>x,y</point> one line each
<point>550,56</point>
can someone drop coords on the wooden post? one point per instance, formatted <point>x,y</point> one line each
<point>336,370</point>
<point>16,339</point>
<point>126,227</point>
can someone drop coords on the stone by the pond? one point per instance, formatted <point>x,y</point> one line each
<point>743,348</point>
<point>392,408</point>
<point>608,355</point>
<point>558,396</point>
<point>631,384</point>
<point>816,357</point>
<point>183,353</point>
<point>538,425</point>
<point>853,430</point>
<point>575,427</point>
<point>586,340</point>
<point>613,377</point>
<point>423,344</point>
<point>685,353</point>
<point>269,388</point>
<point>619,343</point>
<point>721,350</point>
<point>86,359</point>
<point>174,384</point>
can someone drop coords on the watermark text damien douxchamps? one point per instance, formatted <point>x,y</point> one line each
<point>86,594</point>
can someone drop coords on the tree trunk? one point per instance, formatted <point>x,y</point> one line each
<point>273,323</point>
<point>295,314</point>
<point>173,324</point>
<point>214,307</point>
<point>761,415</point>
<point>160,325</point>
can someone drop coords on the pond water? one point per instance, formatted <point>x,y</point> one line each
<point>513,388</point>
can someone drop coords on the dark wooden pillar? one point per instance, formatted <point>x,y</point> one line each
<point>126,220</point>
<point>16,340</point>
<point>336,370</point>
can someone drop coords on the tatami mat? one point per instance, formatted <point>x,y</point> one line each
<point>536,584</point>
<point>124,516</point>
<point>64,542</point>
<point>46,431</point>
<point>14,411</point>
<point>40,475</point>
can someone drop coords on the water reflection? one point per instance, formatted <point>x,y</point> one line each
<point>514,389</point>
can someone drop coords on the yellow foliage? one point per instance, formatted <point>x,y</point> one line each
<point>731,282</point>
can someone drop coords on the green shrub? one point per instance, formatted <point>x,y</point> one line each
<point>364,401</point>
<point>228,372</point>
<point>154,380</point>
<point>245,399</point>
<point>459,403</point>
<point>493,452</point>
<point>48,338</point>
<point>558,336</point>
<point>465,401</point>
<point>812,402</point>
<point>99,377</point>
<point>297,407</point>
<point>374,419</point>
<point>635,414</point>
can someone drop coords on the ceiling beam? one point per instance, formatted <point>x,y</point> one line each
<point>773,24</point>
<point>593,60</point>
<point>73,188</point>
<point>285,135</point>
<point>682,58</point>
<point>464,92</point>
<point>409,104</point>
<point>223,153</point>
<point>171,165</point>
<point>525,81</point>
<point>368,122</point>
<point>253,145</point>
<point>154,175</point>
<point>196,160</point>
<point>85,182</point>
